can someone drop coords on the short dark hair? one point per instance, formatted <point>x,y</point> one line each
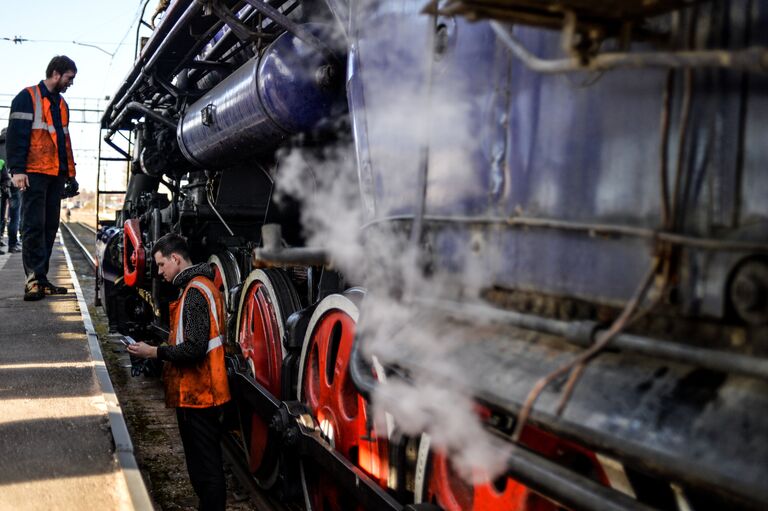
<point>171,243</point>
<point>61,64</point>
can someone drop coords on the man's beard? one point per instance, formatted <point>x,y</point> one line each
<point>60,88</point>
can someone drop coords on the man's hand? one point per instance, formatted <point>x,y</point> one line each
<point>20,181</point>
<point>142,350</point>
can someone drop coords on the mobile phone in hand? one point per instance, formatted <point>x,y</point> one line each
<point>127,340</point>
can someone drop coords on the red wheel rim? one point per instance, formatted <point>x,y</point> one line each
<point>447,489</point>
<point>218,280</point>
<point>339,410</point>
<point>260,343</point>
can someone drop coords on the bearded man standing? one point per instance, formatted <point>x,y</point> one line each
<point>41,164</point>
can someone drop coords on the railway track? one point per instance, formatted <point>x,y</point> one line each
<point>150,423</point>
<point>85,252</point>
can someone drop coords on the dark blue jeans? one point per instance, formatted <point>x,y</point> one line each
<point>41,203</point>
<point>14,213</point>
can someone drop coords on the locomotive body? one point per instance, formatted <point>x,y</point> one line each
<point>548,219</point>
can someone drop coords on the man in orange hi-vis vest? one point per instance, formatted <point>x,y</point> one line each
<point>194,375</point>
<point>42,165</point>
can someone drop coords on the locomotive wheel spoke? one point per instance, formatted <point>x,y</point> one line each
<point>326,388</point>
<point>267,300</point>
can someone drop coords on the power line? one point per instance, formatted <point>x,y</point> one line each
<point>90,44</point>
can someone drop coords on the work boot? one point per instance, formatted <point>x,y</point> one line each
<point>51,289</point>
<point>33,291</point>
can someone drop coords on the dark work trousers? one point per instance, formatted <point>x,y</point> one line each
<point>40,209</point>
<point>14,212</point>
<point>201,430</point>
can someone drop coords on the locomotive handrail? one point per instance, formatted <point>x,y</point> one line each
<point>754,59</point>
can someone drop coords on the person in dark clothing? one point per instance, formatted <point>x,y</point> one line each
<point>14,216</point>
<point>41,163</point>
<point>10,202</point>
<point>194,374</point>
<point>5,197</point>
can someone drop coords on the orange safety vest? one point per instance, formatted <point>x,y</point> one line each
<point>204,384</point>
<point>43,155</point>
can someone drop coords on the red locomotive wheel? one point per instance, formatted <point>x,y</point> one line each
<point>341,413</point>
<point>225,273</point>
<point>446,488</point>
<point>267,300</point>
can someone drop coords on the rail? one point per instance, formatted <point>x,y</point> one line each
<point>79,243</point>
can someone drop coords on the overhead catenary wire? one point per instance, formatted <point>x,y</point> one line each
<point>89,44</point>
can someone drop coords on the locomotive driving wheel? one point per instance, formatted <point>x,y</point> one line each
<point>437,481</point>
<point>267,299</point>
<point>326,388</point>
<point>226,273</point>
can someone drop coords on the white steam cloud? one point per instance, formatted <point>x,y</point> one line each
<point>380,258</point>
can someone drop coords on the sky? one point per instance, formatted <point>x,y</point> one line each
<point>50,28</point>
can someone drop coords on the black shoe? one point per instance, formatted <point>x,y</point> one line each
<point>33,291</point>
<point>14,249</point>
<point>1,252</point>
<point>2,243</point>
<point>51,289</point>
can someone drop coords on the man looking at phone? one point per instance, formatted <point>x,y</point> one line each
<point>194,375</point>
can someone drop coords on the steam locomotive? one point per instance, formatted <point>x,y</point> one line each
<point>476,254</point>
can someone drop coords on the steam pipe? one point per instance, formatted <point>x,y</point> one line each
<point>273,253</point>
<point>135,105</point>
<point>291,257</point>
<point>582,334</point>
<point>754,59</point>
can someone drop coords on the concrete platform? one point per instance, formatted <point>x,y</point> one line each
<point>56,418</point>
